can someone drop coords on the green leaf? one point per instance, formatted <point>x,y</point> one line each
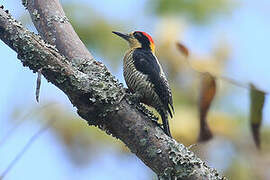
<point>257,98</point>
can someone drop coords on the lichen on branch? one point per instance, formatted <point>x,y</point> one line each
<point>96,94</point>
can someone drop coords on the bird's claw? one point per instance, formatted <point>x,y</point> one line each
<point>136,97</point>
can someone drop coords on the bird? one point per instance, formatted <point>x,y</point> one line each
<point>145,77</point>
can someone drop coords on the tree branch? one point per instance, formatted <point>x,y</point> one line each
<point>53,26</point>
<point>96,93</point>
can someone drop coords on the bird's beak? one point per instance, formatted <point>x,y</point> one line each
<point>124,36</point>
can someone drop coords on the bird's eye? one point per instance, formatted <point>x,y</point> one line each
<point>137,34</point>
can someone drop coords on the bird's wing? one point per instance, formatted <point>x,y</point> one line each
<point>147,63</point>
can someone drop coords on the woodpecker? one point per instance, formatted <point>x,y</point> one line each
<point>144,75</point>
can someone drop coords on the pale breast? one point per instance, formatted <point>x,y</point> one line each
<point>138,82</point>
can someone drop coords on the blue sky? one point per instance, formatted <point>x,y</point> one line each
<point>248,28</point>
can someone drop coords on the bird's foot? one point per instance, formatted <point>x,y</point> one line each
<point>127,91</point>
<point>148,113</point>
<point>134,98</point>
<point>127,94</point>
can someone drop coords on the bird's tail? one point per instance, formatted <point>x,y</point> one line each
<point>165,122</point>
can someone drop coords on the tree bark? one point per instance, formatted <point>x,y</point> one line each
<point>97,95</point>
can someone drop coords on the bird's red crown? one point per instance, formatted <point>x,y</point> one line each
<point>152,44</point>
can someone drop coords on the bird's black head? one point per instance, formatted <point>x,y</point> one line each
<point>145,40</point>
<point>139,39</point>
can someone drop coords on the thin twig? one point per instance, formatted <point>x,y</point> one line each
<point>232,81</point>
<point>24,118</point>
<point>26,147</point>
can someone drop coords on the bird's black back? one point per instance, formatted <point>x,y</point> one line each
<point>146,63</point>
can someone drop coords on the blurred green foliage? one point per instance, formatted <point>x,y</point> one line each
<point>199,11</point>
<point>80,141</point>
<point>96,32</point>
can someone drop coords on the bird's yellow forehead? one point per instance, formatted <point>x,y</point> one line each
<point>135,43</point>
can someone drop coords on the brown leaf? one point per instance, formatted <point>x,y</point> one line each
<point>257,98</point>
<point>207,94</point>
<point>183,49</point>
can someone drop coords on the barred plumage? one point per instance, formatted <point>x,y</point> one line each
<point>144,75</point>
<point>139,82</point>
